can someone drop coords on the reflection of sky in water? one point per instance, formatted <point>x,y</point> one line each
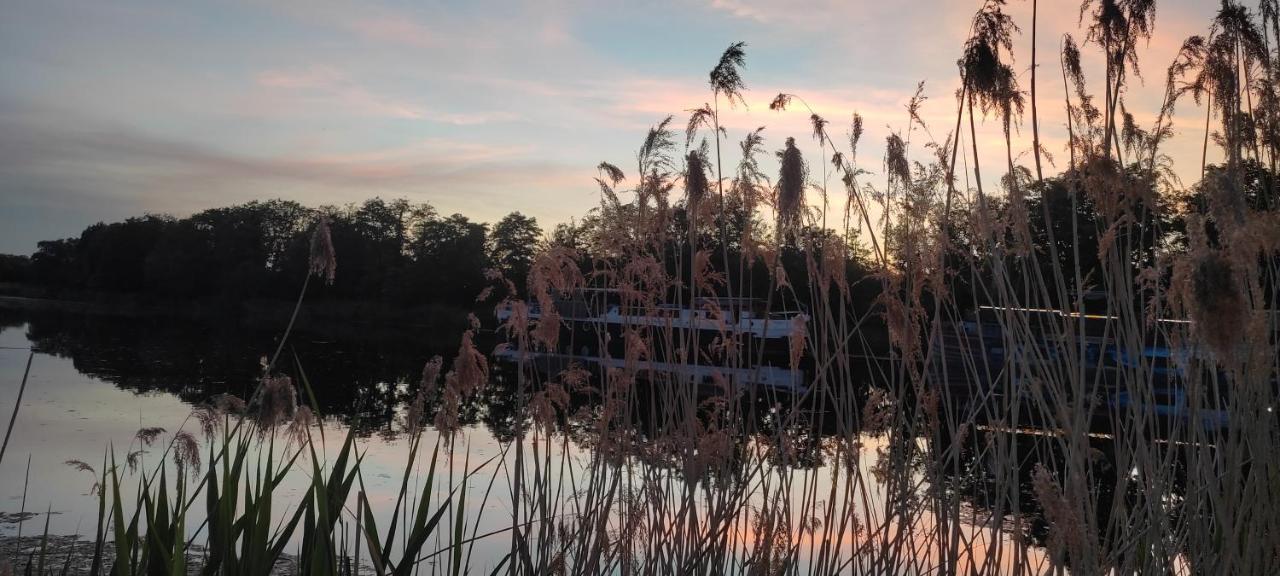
<point>68,415</point>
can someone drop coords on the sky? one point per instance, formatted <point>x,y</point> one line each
<point>116,109</point>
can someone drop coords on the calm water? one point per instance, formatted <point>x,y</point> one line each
<point>96,379</point>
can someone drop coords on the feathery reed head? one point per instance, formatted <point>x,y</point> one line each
<point>655,152</point>
<point>447,420</point>
<point>797,339</point>
<point>705,278</point>
<point>431,373</point>
<point>613,173</point>
<point>323,261</point>
<point>546,331</point>
<point>417,408</point>
<point>80,466</point>
<point>914,104</point>
<point>228,404</point>
<point>895,158</point>
<point>207,417</point>
<point>470,368</point>
<point>790,189</point>
<point>147,436</point>
<point>1218,306</point>
<point>186,453</point>
<point>877,412</point>
<point>695,178</point>
<point>726,77</point>
<point>855,133</point>
<point>299,430</point>
<point>698,118</point>
<point>1066,528</point>
<point>989,78</point>
<point>819,128</point>
<point>277,403</point>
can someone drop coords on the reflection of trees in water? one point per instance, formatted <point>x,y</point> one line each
<point>359,374</point>
<point>364,376</point>
<point>650,423</point>
<point>11,318</point>
<point>981,482</point>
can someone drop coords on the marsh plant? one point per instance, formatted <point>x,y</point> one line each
<point>953,416</point>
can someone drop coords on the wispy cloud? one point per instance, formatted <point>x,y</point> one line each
<point>113,165</point>
<point>331,91</point>
<point>137,106</point>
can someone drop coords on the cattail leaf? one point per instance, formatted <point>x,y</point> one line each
<point>498,569</point>
<point>283,536</point>
<point>460,524</point>
<point>123,553</point>
<point>95,566</point>
<point>422,524</point>
<point>401,498</point>
<point>370,529</point>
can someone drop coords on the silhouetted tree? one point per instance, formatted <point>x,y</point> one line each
<point>113,256</point>
<point>245,244</point>
<point>55,263</point>
<point>513,243</point>
<point>14,268</point>
<point>449,259</point>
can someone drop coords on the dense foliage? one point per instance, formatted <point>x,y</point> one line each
<point>395,252</point>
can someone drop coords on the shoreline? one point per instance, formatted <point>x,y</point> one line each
<point>255,311</point>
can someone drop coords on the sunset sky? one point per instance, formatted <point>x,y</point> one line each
<point>115,109</point>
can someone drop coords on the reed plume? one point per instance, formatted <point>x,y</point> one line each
<point>276,404</point>
<point>695,179</point>
<point>323,263</point>
<point>789,193</point>
<point>726,77</point>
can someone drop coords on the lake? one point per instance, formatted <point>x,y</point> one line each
<point>96,379</point>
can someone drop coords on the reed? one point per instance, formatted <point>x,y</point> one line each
<point>17,405</point>
<point>980,394</point>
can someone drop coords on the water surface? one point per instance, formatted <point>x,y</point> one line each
<point>97,379</point>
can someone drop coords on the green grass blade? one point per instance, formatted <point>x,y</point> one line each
<point>100,537</point>
<point>122,541</point>
<point>371,537</point>
<point>498,569</point>
<point>459,525</point>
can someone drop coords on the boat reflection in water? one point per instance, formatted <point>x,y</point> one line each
<point>734,342</point>
<point>999,361</point>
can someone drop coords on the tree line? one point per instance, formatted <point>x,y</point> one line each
<point>407,254</point>
<point>395,252</point>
